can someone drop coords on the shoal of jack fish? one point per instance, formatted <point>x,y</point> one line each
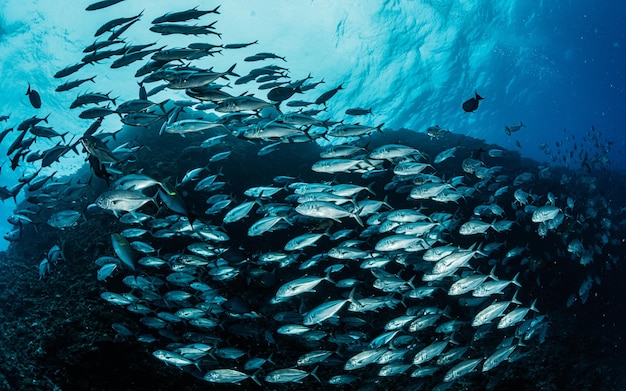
<point>374,269</point>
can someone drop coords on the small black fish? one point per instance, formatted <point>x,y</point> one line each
<point>34,97</point>
<point>99,169</point>
<point>470,105</point>
<point>279,94</point>
<point>327,95</point>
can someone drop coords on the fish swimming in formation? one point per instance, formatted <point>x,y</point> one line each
<point>470,105</point>
<point>183,16</point>
<point>122,200</point>
<point>358,111</point>
<point>322,99</point>
<point>73,84</point>
<point>102,4</point>
<point>96,148</point>
<point>210,287</point>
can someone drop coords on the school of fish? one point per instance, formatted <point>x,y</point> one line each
<point>386,262</point>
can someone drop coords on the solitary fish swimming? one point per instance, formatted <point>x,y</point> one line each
<point>470,105</point>
<point>34,97</point>
<point>513,128</point>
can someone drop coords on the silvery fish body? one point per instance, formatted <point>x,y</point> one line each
<point>122,200</point>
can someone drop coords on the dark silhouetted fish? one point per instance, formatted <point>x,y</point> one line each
<point>16,143</point>
<point>358,111</point>
<point>46,132</point>
<point>470,105</point>
<point>100,45</point>
<point>175,28</point>
<point>4,133</point>
<point>53,154</point>
<point>73,84</point>
<point>327,95</point>
<point>111,24</point>
<point>183,16</point>
<point>99,169</point>
<point>119,31</point>
<point>27,123</point>
<point>95,147</point>
<point>279,94</point>
<point>93,127</point>
<point>239,45</point>
<point>68,70</point>
<point>34,97</point>
<point>102,4</point>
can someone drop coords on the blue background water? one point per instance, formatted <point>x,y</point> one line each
<point>552,65</point>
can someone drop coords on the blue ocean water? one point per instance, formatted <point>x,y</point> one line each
<point>556,66</point>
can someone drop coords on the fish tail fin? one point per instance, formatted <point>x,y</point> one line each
<point>369,188</point>
<point>515,282</point>
<point>357,210</point>
<point>478,97</point>
<point>73,146</point>
<point>514,299</point>
<point>330,279</point>
<point>410,283</point>
<point>162,106</point>
<point>276,106</point>
<point>230,71</point>
<point>492,275</point>
<point>314,374</point>
<point>380,127</point>
<point>307,134</point>
<point>254,375</point>
<point>351,298</point>
<point>287,221</point>
<point>533,306</point>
